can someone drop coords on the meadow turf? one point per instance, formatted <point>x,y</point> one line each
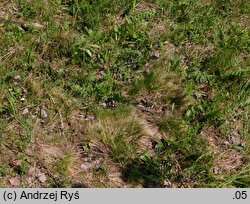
<point>115,93</point>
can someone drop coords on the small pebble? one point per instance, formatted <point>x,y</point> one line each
<point>86,166</point>
<point>44,114</point>
<point>25,111</point>
<point>41,177</point>
<point>17,77</point>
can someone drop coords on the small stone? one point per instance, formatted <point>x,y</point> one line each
<point>24,90</point>
<point>62,125</point>
<point>22,99</point>
<point>103,104</point>
<point>44,114</point>
<point>89,118</point>
<point>86,166</point>
<point>14,181</point>
<point>157,54</point>
<point>86,159</point>
<point>38,25</point>
<point>17,77</point>
<point>42,177</point>
<point>242,144</point>
<point>25,111</point>
<point>216,170</point>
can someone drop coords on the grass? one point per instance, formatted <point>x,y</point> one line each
<point>124,93</point>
